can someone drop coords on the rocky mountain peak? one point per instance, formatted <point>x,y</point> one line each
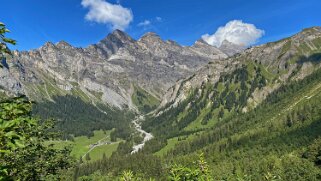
<point>202,47</point>
<point>150,36</point>
<point>154,44</point>
<point>63,44</point>
<point>314,29</point>
<point>110,44</point>
<point>230,48</point>
<point>173,43</point>
<point>118,35</point>
<point>307,34</point>
<point>48,45</point>
<point>200,42</point>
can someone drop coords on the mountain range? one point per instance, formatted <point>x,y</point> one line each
<point>108,72</point>
<point>148,73</point>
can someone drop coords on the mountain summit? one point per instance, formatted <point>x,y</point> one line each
<point>231,48</point>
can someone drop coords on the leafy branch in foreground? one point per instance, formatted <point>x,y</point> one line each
<point>23,154</point>
<point>201,173</point>
<point>4,41</point>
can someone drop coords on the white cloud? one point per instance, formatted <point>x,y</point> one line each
<point>159,19</point>
<point>235,32</point>
<point>144,23</point>
<point>104,12</point>
<point>147,24</point>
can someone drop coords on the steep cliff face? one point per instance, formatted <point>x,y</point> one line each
<point>230,48</point>
<point>109,71</point>
<point>8,84</point>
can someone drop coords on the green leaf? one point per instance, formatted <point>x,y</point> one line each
<point>10,41</point>
<point>19,143</point>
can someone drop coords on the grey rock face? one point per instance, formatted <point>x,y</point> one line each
<point>8,84</point>
<point>105,72</point>
<point>230,48</point>
<point>204,48</point>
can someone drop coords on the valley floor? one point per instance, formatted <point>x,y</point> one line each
<point>95,146</point>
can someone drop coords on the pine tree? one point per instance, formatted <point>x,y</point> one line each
<point>289,121</point>
<point>88,157</point>
<point>221,113</point>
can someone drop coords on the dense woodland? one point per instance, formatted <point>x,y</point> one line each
<point>74,117</point>
<point>144,101</point>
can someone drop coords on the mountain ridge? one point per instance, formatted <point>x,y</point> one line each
<point>110,67</point>
<point>119,54</point>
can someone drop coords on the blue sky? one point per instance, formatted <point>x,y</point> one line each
<point>34,22</point>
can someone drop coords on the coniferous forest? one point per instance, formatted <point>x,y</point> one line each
<point>75,117</point>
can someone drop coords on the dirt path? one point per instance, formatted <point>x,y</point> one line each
<point>99,143</point>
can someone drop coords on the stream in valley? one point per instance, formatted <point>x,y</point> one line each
<point>138,127</point>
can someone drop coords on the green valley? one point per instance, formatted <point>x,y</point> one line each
<point>272,141</point>
<point>96,146</point>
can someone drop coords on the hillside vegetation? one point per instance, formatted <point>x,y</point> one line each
<point>74,117</point>
<point>279,139</point>
<point>144,101</point>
